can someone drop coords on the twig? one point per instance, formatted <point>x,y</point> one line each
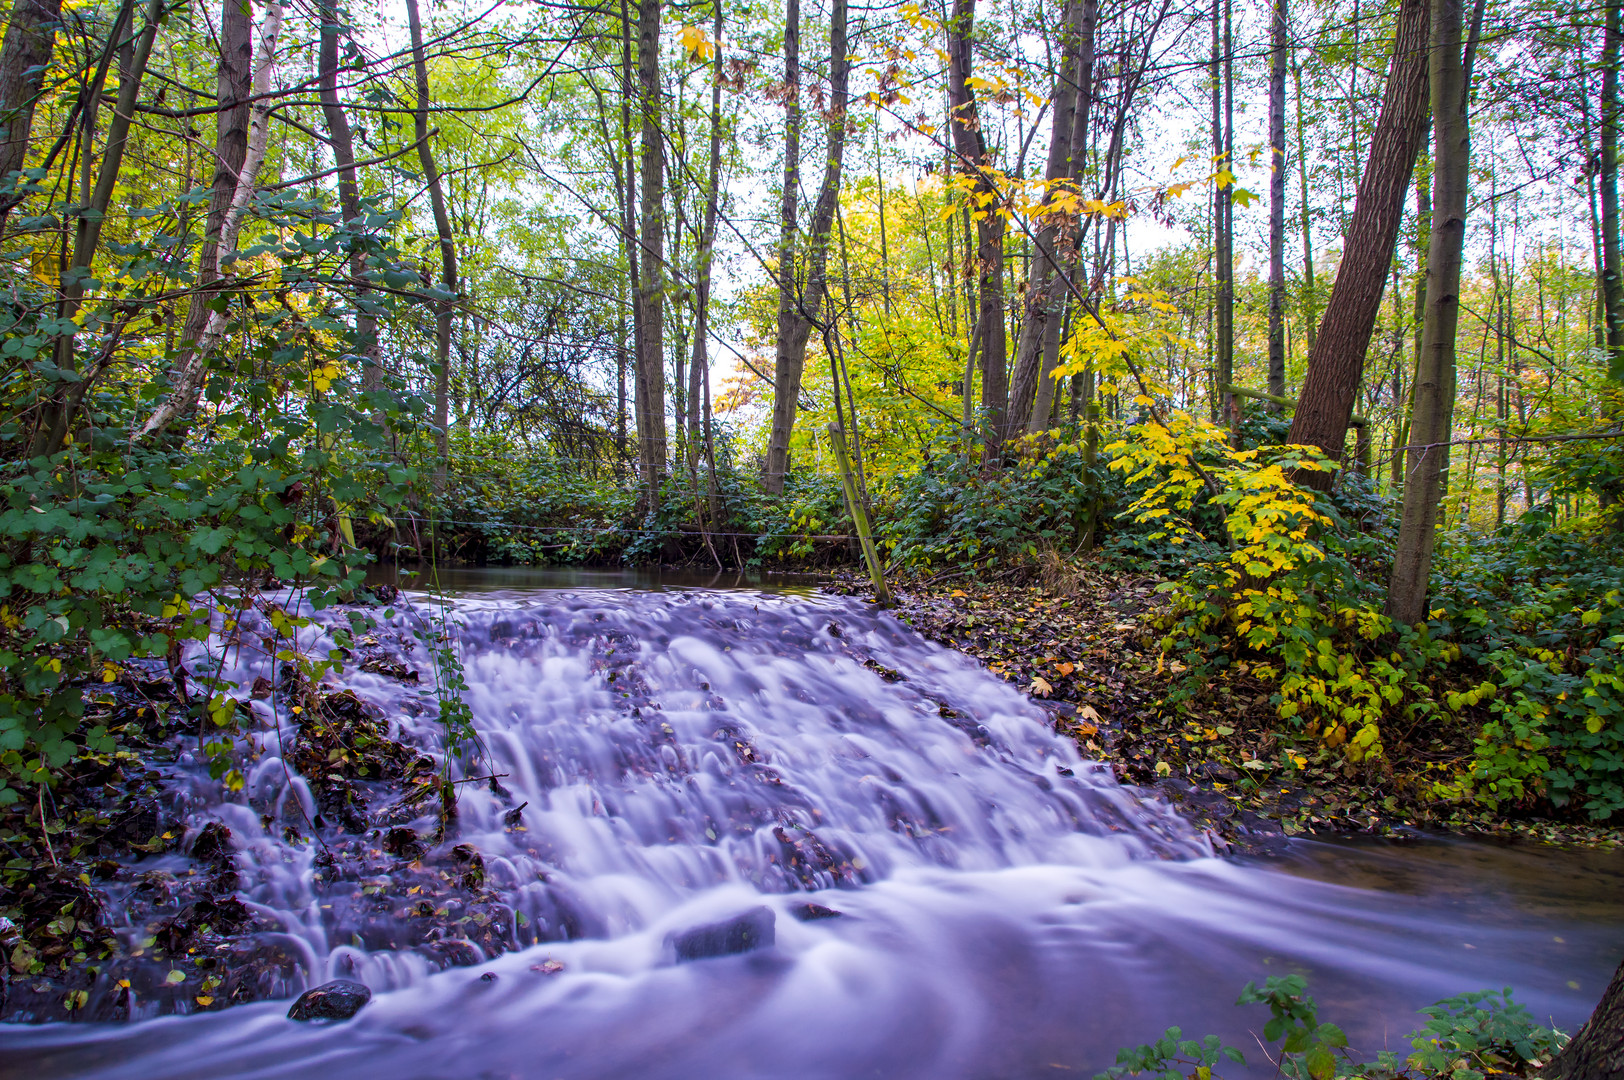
<point>45,833</point>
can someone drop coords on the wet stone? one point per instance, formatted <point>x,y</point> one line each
<point>810,912</point>
<point>746,932</point>
<point>337,1000</point>
<point>213,845</point>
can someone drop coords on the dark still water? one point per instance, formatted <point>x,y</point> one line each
<point>674,756</point>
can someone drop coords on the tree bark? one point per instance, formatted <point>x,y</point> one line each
<point>1309,321</point>
<point>628,236</point>
<point>1596,1051</point>
<point>1045,290</point>
<point>797,317</point>
<point>1612,272</point>
<point>650,382</point>
<point>24,56</point>
<point>233,88</point>
<point>1071,238</point>
<point>970,146</point>
<point>1226,217</point>
<point>786,375</point>
<point>342,142</point>
<point>191,368</point>
<point>1277,201</point>
<point>1434,396</point>
<point>1336,364</point>
<point>700,442</point>
<point>443,308</point>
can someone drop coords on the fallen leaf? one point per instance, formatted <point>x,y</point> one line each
<point>1041,687</point>
<point>1065,669</point>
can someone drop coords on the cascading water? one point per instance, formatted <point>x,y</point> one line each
<point>670,760</point>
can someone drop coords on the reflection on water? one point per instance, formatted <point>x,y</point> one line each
<point>469,580</point>
<point>677,755</point>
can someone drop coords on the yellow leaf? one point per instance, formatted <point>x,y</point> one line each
<point>1041,687</point>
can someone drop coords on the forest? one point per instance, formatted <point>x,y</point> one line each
<point>1242,383</point>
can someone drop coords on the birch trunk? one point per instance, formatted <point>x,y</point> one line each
<point>186,380</point>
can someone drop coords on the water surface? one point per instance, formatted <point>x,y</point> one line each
<point>673,755</point>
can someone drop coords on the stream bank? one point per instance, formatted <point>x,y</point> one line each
<point>1082,647</point>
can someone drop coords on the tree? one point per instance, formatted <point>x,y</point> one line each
<point>24,56</point>
<point>187,374</point>
<point>1434,388</point>
<point>342,141</point>
<point>800,307</point>
<point>445,305</point>
<point>1611,270</point>
<point>1045,287</point>
<point>1596,1051</point>
<point>974,163</point>
<point>1278,48</point>
<point>650,296</point>
<point>1336,364</point>
<point>786,402</point>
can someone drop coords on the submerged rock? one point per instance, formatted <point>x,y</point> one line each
<point>337,1000</point>
<point>809,911</point>
<point>743,933</point>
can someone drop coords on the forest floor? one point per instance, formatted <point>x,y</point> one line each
<point>1082,650</point>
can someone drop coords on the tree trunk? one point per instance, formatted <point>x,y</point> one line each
<point>233,90</point>
<point>786,373</point>
<point>448,250</point>
<point>699,409</point>
<point>628,232</point>
<point>970,146</point>
<point>349,190</point>
<point>1223,260</point>
<point>191,368</point>
<point>1612,273</point>
<point>1596,1051</point>
<point>1310,322</point>
<point>650,383</point>
<point>56,413</point>
<point>1277,203</point>
<point>24,56</point>
<point>1045,290</point>
<point>1071,238</point>
<point>1336,364</point>
<point>1226,206</point>
<point>1434,397</point>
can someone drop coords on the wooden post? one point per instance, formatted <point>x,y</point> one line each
<point>837,441</point>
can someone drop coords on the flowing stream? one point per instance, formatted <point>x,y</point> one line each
<point>672,757</point>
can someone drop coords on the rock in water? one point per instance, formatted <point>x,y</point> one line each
<point>337,1000</point>
<point>745,932</point>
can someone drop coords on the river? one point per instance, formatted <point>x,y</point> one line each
<point>675,752</point>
